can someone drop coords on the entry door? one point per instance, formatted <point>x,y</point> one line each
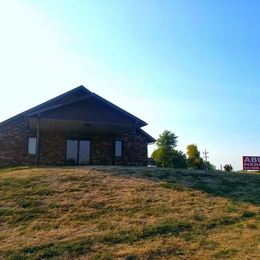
<point>84,152</point>
<point>72,150</point>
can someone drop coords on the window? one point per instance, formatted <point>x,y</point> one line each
<point>118,148</point>
<point>32,145</point>
<point>78,151</point>
<point>72,150</point>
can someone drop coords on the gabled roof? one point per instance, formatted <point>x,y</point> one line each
<point>72,96</point>
<point>148,137</point>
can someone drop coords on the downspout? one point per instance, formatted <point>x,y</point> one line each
<point>38,139</point>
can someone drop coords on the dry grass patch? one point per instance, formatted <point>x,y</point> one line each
<point>128,213</point>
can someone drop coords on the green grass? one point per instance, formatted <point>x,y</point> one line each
<point>128,213</point>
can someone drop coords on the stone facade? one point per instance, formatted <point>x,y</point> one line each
<point>13,144</point>
<point>52,146</point>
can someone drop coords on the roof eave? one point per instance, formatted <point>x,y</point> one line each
<point>140,122</point>
<point>150,139</point>
<point>26,112</point>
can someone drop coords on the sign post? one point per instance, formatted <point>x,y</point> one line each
<point>251,163</point>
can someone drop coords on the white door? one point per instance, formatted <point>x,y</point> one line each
<point>72,150</point>
<point>84,152</point>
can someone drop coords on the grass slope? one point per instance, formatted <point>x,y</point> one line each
<point>128,213</point>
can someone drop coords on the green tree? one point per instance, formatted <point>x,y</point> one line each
<point>209,166</point>
<point>165,155</point>
<point>194,160</point>
<point>179,159</point>
<point>173,158</point>
<point>167,140</point>
<point>228,168</point>
<point>162,157</point>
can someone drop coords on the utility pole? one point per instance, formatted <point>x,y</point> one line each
<point>205,153</point>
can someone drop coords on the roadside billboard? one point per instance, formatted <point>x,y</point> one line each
<point>251,163</point>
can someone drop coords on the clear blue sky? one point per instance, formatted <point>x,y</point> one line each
<point>188,66</point>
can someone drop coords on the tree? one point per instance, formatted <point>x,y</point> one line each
<point>167,140</point>
<point>209,166</point>
<point>173,158</point>
<point>179,159</point>
<point>228,168</point>
<point>192,151</point>
<point>162,157</point>
<point>194,160</point>
<point>165,155</point>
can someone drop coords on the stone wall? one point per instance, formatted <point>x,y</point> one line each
<point>14,140</point>
<point>53,148</point>
<point>134,150</point>
<point>13,143</point>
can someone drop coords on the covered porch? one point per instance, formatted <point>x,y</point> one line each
<point>69,142</point>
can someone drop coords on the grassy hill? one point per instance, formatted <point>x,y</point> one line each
<point>128,213</point>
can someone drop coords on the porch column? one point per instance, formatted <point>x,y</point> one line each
<point>134,144</point>
<point>38,139</point>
